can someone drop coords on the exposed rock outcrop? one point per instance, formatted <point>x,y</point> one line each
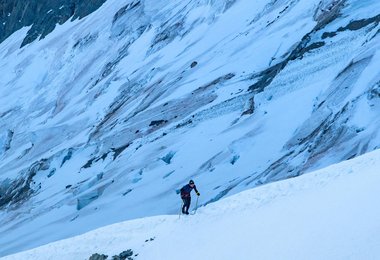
<point>41,15</point>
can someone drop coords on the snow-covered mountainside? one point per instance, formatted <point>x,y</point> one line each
<point>328,214</point>
<point>41,15</point>
<point>106,116</point>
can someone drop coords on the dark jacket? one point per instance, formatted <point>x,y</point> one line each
<point>185,191</point>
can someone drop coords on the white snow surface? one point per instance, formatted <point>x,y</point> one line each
<point>107,116</point>
<point>328,214</point>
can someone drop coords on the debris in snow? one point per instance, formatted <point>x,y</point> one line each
<point>234,159</point>
<point>124,255</point>
<point>150,239</point>
<point>193,64</point>
<point>98,257</point>
<point>157,122</point>
<point>128,191</point>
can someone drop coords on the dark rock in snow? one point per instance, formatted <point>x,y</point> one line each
<point>52,172</point>
<point>117,151</point>
<point>98,257</point>
<point>353,26</point>
<point>124,255</point>
<point>188,122</point>
<point>251,107</point>
<point>150,239</point>
<point>68,156</point>
<point>168,174</point>
<point>88,163</point>
<point>158,122</point>
<point>358,24</point>
<point>234,159</point>
<point>128,191</point>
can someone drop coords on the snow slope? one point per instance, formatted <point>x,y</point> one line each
<point>332,213</point>
<point>103,119</point>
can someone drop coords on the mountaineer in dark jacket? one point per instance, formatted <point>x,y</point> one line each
<point>185,195</point>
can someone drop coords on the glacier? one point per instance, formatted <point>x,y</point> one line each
<point>102,119</point>
<point>327,214</point>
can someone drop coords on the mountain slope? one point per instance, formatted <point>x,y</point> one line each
<point>328,214</point>
<point>42,16</point>
<point>103,119</point>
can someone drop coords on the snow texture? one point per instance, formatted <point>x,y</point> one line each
<point>327,214</point>
<point>107,116</point>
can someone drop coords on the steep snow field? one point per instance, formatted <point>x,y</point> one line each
<point>103,119</point>
<point>332,214</point>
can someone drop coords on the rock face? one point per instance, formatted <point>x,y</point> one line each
<point>41,15</point>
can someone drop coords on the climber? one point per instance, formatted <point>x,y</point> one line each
<point>185,195</point>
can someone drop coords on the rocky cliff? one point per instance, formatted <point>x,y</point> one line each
<point>41,15</point>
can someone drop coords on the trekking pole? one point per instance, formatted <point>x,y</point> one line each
<point>180,211</point>
<point>196,205</point>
